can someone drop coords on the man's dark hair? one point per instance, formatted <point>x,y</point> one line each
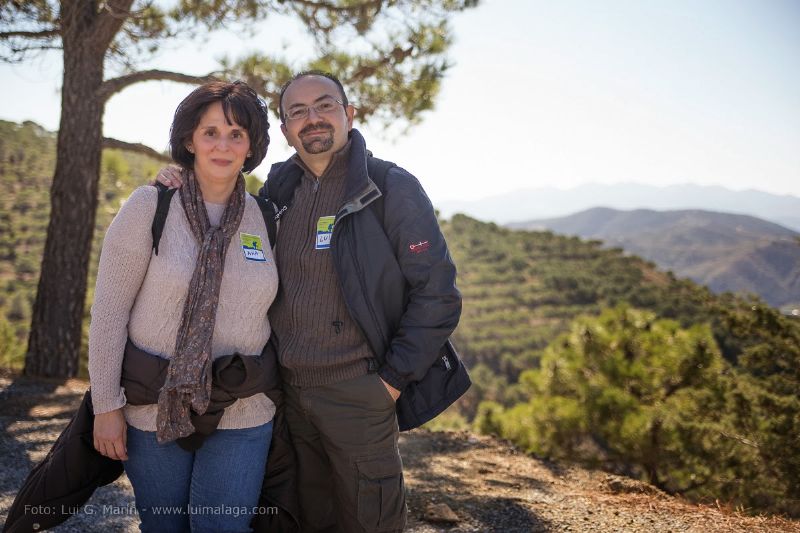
<point>305,74</point>
<point>240,104</point>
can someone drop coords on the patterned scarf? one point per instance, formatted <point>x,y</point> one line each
<point>188,382</point>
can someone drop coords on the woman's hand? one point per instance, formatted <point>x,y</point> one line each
<point>170,176</point>
<point>111,435</point>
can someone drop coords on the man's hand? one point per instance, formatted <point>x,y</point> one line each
<point>170,176</point>
<point>111,435</point>
<point>394,393</point>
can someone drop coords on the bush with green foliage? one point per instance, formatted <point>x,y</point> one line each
<point>646,397</point>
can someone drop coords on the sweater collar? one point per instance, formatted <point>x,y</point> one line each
<point>353,158</point>
<point>337,167</point>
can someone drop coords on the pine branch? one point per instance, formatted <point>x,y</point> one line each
<point>110,20</point>
<point>138,148</point>
<point>115,85</point>
<point>329,6</point>
<point>18,54</point>
<point>368,68</point>
<point>43,34</point>
<point>742,440</point>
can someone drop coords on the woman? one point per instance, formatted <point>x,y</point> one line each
<point>203,294</point>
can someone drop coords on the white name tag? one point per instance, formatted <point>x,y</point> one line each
<point>324,232</point>
<point>252,247</point>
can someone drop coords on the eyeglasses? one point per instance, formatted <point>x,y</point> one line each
<point>325,105</point>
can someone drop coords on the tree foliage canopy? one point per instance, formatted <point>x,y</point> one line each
<point>391,54</point>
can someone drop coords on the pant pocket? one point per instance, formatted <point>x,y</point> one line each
<point>381,495</point>
<point>383,392</point>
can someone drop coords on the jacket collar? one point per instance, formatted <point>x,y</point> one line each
<point>359,192</point>
<point>357,178</point>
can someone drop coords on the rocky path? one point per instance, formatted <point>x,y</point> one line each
<point>456,482</point>
<point>491,486</point>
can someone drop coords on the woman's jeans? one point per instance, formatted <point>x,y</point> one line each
<point>213,489</point>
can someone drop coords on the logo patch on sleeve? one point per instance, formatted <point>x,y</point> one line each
<point>419,247</point>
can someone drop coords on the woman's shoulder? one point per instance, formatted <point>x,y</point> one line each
<point>250,199</point>
<point>252,205</point>
<point>254,209</point>
<point>132,221</point>
<point>138,209</point>
<point>142,197</point>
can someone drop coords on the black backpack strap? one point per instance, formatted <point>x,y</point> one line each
<point>162,210</point>
<point>281,183</point>
<point>269,218</point>
<point>276,195</point>
<point>377,169</point>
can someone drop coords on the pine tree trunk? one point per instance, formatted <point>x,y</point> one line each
<point>55,335</point>
<point>654,454</point>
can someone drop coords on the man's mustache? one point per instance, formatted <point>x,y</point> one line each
<point>317,126</point>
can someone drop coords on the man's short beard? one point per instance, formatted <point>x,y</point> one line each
<point>318,146</point>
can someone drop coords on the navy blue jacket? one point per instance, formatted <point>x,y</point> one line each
<point>397,277</point>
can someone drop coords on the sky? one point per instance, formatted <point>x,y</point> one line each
<point>541,94</point>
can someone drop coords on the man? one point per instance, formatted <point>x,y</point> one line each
<point>362,319</point>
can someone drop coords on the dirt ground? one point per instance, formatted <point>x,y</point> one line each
<point>484,482</point>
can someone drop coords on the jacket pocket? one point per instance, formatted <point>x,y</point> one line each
<point>444,383</point>
<point>381,495</point>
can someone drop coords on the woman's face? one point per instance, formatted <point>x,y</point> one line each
<point>219,148</point>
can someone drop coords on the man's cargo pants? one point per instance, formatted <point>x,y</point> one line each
<point>350,475</point>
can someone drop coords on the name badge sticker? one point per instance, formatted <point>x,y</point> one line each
<point>324,232</point>
<point>252,247</point>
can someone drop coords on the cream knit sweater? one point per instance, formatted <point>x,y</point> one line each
<point>141,295</point>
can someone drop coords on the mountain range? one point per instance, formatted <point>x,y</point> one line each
<point>726,252</point>
<point>549,202</point>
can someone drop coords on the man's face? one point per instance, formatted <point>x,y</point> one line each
<point>318,133</point>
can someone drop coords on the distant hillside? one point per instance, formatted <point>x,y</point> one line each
<point>589,354</point>
<point>548,202</point>
<point>725,252</point>
<point>27,161</point>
